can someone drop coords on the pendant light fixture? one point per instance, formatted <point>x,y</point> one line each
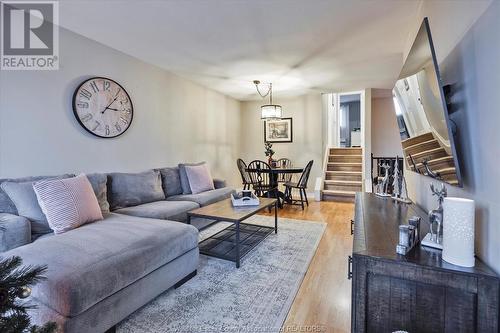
<point>268,111</point>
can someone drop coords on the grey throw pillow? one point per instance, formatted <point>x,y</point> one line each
<point>132,189</point>
<point>6,205</point>
<point>99,185</point>
<point>186,189</point>
<point>24,198</point>
<point>171,181</point>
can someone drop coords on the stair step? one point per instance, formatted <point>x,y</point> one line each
<point>343,185</point>
<point>344,182</point>
<point>431,154</point>
<point>345,158</point>
<point>445,166</point>
<point>346,151</point>
<point>439,163</point>
<point>343,175</point>
<point>418,139</point>
<point>419,147</point>
<point>346,196</point>
<point>344,166</point>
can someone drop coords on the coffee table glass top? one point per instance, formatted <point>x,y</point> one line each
<point>225,210</point>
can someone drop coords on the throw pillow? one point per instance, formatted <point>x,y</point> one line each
<point>24,198</point>
<point>99,185</point>
<point>200,179</point>
<point>132,189</point>
<point>67,203</point>
<point>171,181</point>
<point>186,189</point>
<point>6,204</point>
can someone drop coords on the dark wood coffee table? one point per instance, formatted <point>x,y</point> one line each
<point>235,241</point>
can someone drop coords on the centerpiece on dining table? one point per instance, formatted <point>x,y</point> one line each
<point>269,153</point>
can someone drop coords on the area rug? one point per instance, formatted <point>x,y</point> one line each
<point>221,298</point>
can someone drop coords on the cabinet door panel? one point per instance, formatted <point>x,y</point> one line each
<point>398,304</point>
<point>429,308</point>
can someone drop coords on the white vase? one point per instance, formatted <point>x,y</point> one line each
<point>458,231</point>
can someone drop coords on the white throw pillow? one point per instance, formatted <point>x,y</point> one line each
<point>199,178</point>
<point>67,203</point>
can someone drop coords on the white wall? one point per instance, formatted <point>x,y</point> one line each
<point>471,64</point>
<point>175,120</point>
<point>307,144</point>
<point>386,141</point>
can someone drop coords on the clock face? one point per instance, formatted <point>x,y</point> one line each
<point>103,107</point>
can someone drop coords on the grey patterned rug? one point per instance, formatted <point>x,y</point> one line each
<point>221,298</point>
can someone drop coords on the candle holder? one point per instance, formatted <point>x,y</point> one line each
<point>458,231</point>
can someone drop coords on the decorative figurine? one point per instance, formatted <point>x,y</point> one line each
<point>409,235</point>
<point>399,192</point>
<point>435,238</point>
<point>382,188</point>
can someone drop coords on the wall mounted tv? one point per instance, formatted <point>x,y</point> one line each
<point>422,115</point>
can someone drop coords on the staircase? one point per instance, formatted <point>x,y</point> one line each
<point>343,175</point>
<point>426,148</point>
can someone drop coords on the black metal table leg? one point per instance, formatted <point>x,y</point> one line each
<point>188,219</point>
<point>237,244</point>
<point>276,217</point>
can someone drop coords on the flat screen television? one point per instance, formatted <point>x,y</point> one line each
<point>422,115</point>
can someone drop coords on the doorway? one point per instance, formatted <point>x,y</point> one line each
<point>349,120</point>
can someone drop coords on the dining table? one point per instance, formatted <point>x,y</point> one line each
<point>274,175</point>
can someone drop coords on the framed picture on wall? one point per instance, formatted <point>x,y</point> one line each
<point>278,130</point>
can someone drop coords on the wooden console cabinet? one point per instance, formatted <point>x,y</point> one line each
<point>419,292</point>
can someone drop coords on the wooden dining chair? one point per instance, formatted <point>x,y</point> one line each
<point>245,177</point>
<point>260,176</point>
<point>284,163</point>
<point>301,185</point>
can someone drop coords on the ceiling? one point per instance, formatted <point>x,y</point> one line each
<point>300,46</point>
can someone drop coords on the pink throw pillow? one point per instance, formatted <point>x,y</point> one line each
<point>199,178</point>
<point>67,203</point>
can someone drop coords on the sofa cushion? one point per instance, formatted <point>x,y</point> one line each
<point>6,205</point>
<point>186,189</point>
<point>171,181</point>
<point>204,198</point>
<point>67,203</point>
<point>164,210</point>
<point>24,198</point>
<point>88,264</point>
<point>132,189</point>
<point>14,231</point>
<point>199,177</point>
<point>99,185</point>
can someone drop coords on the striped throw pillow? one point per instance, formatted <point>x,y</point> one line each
<point>67,203</point>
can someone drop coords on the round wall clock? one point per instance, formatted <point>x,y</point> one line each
<point>103,107</point>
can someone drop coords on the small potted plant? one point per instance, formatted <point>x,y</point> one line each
<point>269,153</point>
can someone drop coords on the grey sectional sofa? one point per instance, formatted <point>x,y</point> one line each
<point>100,273</point>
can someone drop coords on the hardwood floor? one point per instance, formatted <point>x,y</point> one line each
<point>323,303</point>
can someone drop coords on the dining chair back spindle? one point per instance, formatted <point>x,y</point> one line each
<point>301,185</point>
<point>260,176</point>
<point>284,163</point>
<point>245,177</point>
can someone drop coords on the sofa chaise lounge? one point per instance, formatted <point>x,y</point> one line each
<point>101,272</point>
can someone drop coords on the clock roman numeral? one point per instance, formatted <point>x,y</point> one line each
<point>105,85</point>
<point>94,86</point>
<point>124,121</point>
<point>85,93</point>
<point>87,117</point>
<point>97,125</point>
<point>82,105</point>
